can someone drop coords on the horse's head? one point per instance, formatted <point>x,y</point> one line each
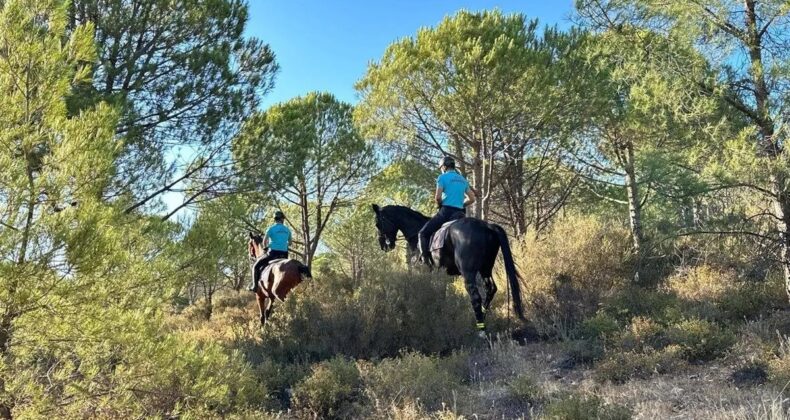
<point>388,232</point>
<point>254,244</point>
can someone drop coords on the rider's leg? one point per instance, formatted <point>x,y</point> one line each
<point>429,229</point>
<point>257,269</point>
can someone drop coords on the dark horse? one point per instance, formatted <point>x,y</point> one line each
<point>277,279</point>
<point>470,249</point>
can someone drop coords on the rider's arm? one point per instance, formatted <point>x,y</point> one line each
<point>438,196</point>
<point>266,240</point>
<point>470,196</point>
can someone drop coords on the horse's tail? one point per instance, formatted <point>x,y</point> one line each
<point>510,269</point>
<point>305,271</point>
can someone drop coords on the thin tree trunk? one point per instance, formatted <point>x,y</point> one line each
<point>477,174</point>
<point>634,205</point>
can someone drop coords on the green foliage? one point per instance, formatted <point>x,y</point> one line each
<point>575,407</point>
<point>376,318</point>
<point>180,73</point>
<point>571,268</point>
<point>620,367</point>
<point>524,388</point>
<point>700,339</point>
<point>720,294</point>
<point>428,380</point>
<point>332,390</point>
<point>316,161</point>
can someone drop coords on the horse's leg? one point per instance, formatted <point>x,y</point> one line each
<point>486,271</point>
<point>470,280</point>
<point>490,291</point>
<point>269,308</point>
<point>262,305</point>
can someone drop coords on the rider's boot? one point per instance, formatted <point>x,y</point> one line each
<point>481,329</point>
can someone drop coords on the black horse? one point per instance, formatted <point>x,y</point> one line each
<point>470,249</point>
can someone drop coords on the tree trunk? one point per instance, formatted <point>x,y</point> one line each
<point>477,180</point>
<point>634,205</point>
<point>770,147</point>
<point>782,210</point>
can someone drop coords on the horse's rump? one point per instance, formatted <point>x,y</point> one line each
<point>279,277</point>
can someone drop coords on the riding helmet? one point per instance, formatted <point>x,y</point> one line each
<point>448,162</point>
<point>278,215</point>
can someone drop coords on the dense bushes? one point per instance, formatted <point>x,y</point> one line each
<point>575,407</point>
<point>332,390</point>
<point>429,381</point>
<point>379,318</point>
<point>570,269</point>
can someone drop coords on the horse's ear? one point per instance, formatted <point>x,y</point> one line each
<point>376,208</point>
<point>251,235</point>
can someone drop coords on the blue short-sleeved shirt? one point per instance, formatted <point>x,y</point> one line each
<point>454,187</point>
<point>279,235</point>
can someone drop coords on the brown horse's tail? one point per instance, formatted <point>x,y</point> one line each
<point>510,269</point>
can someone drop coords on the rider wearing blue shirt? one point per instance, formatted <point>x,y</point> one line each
<point>277,238</point>
<point>453,194</point>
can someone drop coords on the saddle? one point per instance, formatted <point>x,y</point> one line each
<point>438,238</point>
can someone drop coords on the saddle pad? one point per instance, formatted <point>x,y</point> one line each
<point>437,240</point>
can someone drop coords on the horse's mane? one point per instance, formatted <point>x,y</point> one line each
<point>409,211</point>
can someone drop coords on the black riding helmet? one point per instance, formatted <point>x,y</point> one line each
<point>279,216</point>
<point>448,162</point>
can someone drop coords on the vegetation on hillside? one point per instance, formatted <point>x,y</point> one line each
<point>636,160</point>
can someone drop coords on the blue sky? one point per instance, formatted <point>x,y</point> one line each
<point>327,45</point>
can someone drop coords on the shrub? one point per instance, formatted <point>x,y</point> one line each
<point>575,407</point>
<point>382,317</point>
<point>332,390</point>
<point>702,283</point>
<point>429,380</point>
<point>634,301</point>
<point>720,294</point>
<point>620,367</point>
<point>700,340</point>
<point>280,379</point>
<point>583,351</point>
<point>753,299</point>
<point>524,388</point>
<point>643,334</point>
<point>570,269</point>
<point>601,325</point>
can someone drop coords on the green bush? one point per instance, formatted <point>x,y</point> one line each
<point>571,269</point>
<point>642,334</point>
<point>599,326</point>
<point>524,388</point>
<point>380,318</point>
<point>753,299</point>
<point>633,301</point>
<point>620,367</point>
<point>428,380</point>
<point>576,407</point>
<point>332,390</point>
<point>713,293</point>
<point>279,379</point>
<point>584,351</point>
<point>700,340</point>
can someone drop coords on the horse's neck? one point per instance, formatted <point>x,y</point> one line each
<point>411,223</point>
<point>258,250</point>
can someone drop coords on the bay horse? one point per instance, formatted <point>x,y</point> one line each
<point>277,279</point>
<point>470,249</point>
